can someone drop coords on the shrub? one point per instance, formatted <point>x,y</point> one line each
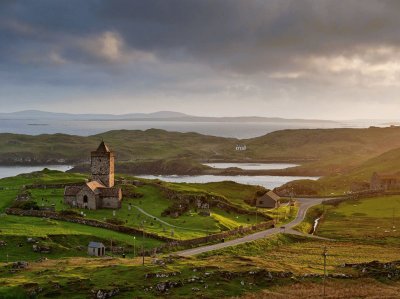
<point>26,205</point>
<point>115,221</point>
<point>70,213</point>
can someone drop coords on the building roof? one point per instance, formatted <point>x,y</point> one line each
<point>93,185</point>
<point>270,195</point>
<point>110,192</point>
<point>103,148</point>
<point>273,195</point>
<point>96,245</point>
<point>96,187</point>
<point>72,190</point>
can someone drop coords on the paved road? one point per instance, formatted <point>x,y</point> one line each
<point>305,204</point>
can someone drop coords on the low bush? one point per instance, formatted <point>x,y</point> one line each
<point>115,221</point>
<point>25,205</point>
<point>70,213</point>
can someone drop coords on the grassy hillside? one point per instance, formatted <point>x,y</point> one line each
<point>11,186</point>
<point>326,151</point>
<point>63,238</point>
<point>335,150</point>
<point>389,162</point>
<point>146,198</point>
<point>370,220</point>
<point>283,266</point>
<point>128,145</point>
<point>356,179</point>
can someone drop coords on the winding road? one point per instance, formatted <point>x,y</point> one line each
<point>305,204</point>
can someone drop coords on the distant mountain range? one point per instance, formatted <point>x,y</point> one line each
<point>160,115</point>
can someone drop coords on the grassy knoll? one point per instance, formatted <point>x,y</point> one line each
<point>238,194</point>
<point>372,220</point>
<point>128,145</point>
<point>64,238</point>
<point>10,187</point>
<point>187,226</point>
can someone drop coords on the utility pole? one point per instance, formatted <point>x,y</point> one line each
<point>291,202</point>
<point>277,216</point>
<point>393,226</point>
<point>134,246</point>
<point>143,243</point>
<point>256,216</point>
<point>324,255</point>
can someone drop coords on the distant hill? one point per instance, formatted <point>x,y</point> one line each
<point>160,115</point>
<point>320,151</point>
<point>388,162</point>
<point>37,114</point>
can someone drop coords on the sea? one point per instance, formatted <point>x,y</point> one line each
<point>267,181</point>
<point>240,130</point>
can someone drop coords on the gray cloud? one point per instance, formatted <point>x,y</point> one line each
<point>262,51</point>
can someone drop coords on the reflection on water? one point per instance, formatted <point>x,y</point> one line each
<point>8,171</point>
<point>267,181</point>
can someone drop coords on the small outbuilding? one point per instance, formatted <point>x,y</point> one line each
<point>384,182</point>
<point>96,249</point>
<point>269,200</point>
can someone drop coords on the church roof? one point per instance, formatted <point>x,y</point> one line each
<point>103,148</point>
<point>110,192</point>
<point>72,190</point>
<point>93,185</point>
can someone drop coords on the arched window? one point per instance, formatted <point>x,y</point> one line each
<point>85,199</point>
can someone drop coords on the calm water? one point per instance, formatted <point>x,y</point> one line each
<point>8,171</point>
<point>252,166</point>
<point>266,181</point>
<point>239,130</point>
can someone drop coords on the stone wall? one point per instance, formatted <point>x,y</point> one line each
<point>111,203</point>
<point>51,186</point>
<point>170,243</point>
<point>90,222</point>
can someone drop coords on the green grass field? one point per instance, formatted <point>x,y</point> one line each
<point>190,224</point>
<point>187,226</point>
<point>223,273</point>
<point>373,220</point>
<point>10,187</point>
<point>63,237</point>
<point>76,277</point>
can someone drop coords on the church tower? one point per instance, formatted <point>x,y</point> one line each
<point>102,165</point>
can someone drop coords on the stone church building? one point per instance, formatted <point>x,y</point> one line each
<point>100,192</point>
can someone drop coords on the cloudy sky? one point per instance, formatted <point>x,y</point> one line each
<point>289,58</point>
